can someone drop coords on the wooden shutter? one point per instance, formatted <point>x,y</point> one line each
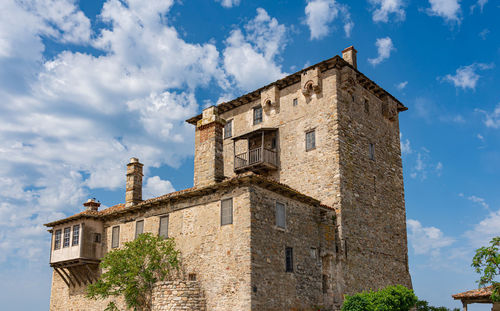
<point>226,212</point>
<point>280,215</point>
<point>139,228</point>
<point>163,226</point>
<point>115,237</point>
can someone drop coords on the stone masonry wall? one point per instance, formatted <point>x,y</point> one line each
<point>178,296</point>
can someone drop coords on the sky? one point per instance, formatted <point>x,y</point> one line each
<point>85,85</point>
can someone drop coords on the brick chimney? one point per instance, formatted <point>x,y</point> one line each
<point>208,156</point>
<point>349,55</point>
<point>133,194</point>
<point>91,205</point>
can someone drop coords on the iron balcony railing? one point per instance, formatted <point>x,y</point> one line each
<point>255,157</point>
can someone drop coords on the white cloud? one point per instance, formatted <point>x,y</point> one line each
<point>485,230</point>
<point>229,3</point>
<point>466,77</point>
<point>492,119</point>
<point>448,9</point>
<point>426,240</point>
<point>384,8</point>
<point>480,4</point>
<point>484,33</point>
<point>439,168</point>
<point>250,56</point>
<point>321,13</point>
<point>384,48</point>
<point>480,137</point>
<point>402,85</point>
<point>155,187</point>
<point>405,145</point>
<point>479,201</point>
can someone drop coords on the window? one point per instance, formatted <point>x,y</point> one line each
<point>139,228</point>
<point>367,106</point>
<point>310,140</point>
<point>226,212</point>
<point>273,143</point>
<point>76,235</point>
<point>295,101</point>
<point>228,129</point>
<point>97,238</point>
<point>289,259</point>
<point>57,239</point>
<point>257,115</point>
<point>115,237</point>
<point>280,215</point>
<point>163,231</point>
<point>67,233</point>
<point>372,151</point>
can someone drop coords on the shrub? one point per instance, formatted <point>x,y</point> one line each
<point>391,298</point>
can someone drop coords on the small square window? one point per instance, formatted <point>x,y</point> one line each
<point>280,215</point>
<point>76,235</point>
<point>257,115</point>
<point>289,259</point>
<point>228,129</point>
<point>163,226</point>
<point>115,237</point>
<point>57,239</point>
<point>226,212</point>
<point>139,228</point>
<point>310,140</point>
<point>97,238</point>
<point>372,151</point>
<point>295,101</point>
<point>67,234</point>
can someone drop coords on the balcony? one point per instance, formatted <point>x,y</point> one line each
<point>260,154</point>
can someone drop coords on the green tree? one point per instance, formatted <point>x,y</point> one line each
<point>391,298</point>
<point>423,305</point>
<point>133,270</point>
<point>486,262</point>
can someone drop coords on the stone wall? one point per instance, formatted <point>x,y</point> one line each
<point>178,296</point>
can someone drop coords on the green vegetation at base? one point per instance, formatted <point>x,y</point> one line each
<point>486,262</point>
<point>391,298</point>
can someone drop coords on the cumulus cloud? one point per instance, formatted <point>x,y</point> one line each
<point>466,77</point>
<point>229,3</point>
<point>321,13</point>
<point>384,8</point>
<point>250,55</point>
<point>155,187</point>
<point>426,240</point>
<point>485,230</point>
<point>384,49</point>
<point>448,9</point>
<point>491,119</point>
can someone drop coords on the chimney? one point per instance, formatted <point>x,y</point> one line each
<point>91,205</point>
<point>208,157</point>
<point>349,55</point>
<point>133,194</point>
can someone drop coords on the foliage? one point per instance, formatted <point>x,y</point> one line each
<point>391,298</point>
<point>486,262</point>
<point>133,270</point>
<point>423,305</point>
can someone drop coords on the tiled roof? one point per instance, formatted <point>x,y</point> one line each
<point>484,292</point>
<point>248,177</point>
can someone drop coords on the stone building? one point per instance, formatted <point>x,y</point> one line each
<point>298,199</point>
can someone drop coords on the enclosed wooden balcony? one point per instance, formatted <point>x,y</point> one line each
<point>260,153</point>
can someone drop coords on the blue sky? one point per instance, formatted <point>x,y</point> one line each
<point>86,85</point>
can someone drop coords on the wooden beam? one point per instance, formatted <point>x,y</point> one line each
<point>67,276</point>
<point>62,276</point>
<point>72,273</point>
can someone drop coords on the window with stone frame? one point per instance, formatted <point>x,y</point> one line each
<point>76,235</point>
<point>115,237</point>
<point>57,239</point>
<point>288,259</point>
<point>163,230</point>
<point>139,228</point>
<point>295,101</point>
<point>372,151</point>
<point>228,129</point>
<point>226,212</point>
<point>257,115</point>
<point>310,140</point>
<point>280,215</point>
<point>66,237</point>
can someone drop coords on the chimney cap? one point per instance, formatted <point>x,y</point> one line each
<point>92,204</point>
<point>349,48</point>
<point>134,160</point>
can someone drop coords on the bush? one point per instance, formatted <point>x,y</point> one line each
<point>391,298</point>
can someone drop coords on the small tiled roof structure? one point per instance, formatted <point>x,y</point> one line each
<point>475,295</point>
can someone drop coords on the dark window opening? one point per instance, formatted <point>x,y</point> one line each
<point>257,115</point>
<point>226,212</point>
<point>273,143</point>
<point>139,228</point>
<point>67,234</point>
<point>76,235</point>
<point>97,238</point>
<point>115,237</point>
<point>163,231</point>
<point>310,140</point>
<point>228,129</point>
<point>289,259</point>
<point>192,276</point>
<point>325,283</point>
<point>57,239</point>
<point>367,107</point>
<point>295,101</point>
<point>372,151</point>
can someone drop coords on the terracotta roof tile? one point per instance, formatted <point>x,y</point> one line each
<point>484,292</point>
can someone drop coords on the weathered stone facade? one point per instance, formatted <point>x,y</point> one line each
<point>320,213</point>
